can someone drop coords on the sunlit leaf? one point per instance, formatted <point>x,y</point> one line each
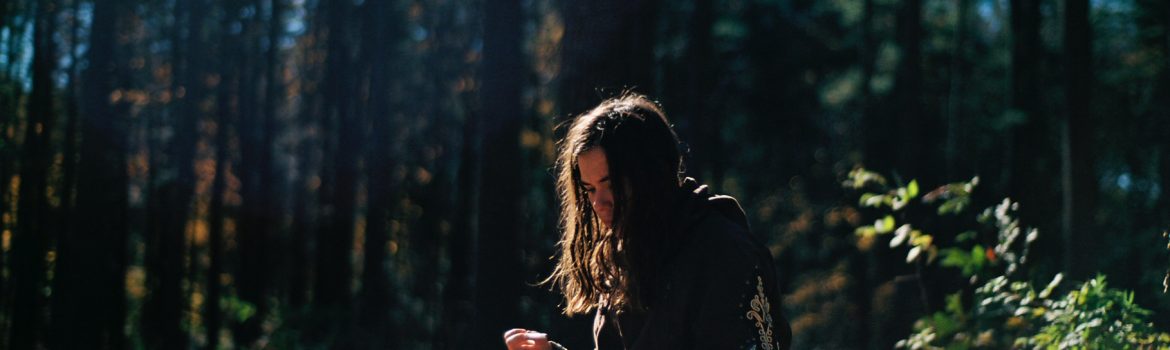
<point>919,239</point>
<point>899,200</point>
<point>871,200</point>
<point>913,254</point>
<point>884,225</point>
<point>1051,286</point>
<point>900,236</point>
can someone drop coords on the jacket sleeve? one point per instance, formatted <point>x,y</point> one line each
<point>738,306</point>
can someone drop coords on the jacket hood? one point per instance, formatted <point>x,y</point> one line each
<point>696,202</point>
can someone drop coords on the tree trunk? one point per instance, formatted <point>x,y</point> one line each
<point>862,264</point>
<point>89,288</point>
<point>912,159</point>
<point>226,117</point>
<point>212,312</point>
<point>73,112</point>
<point>459,296</point>
<point>696,95</point>
<point>1080,236</point>
<point>608,46</point>
<point>257,217</point>
<point>303,219</point>
<point>272,213</point>
<point>1030,148</point>
<point>311,187</point>
<point>31,239</point>
<point>499,278</point>
<point>955,119</point>
<point>377,59</point>
<point>335,239</point>
<point>164,306</point>
<point>327,254</point>
<point>1164,169</point>
<point>878,124</point>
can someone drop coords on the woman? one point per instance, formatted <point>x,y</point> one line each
<point>663,263</point>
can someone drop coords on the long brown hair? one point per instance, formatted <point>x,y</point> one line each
<point>610,267</point>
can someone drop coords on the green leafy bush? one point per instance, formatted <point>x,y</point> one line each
<point>1006,312</point>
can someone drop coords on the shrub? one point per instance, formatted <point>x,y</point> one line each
<point>1006,311</point>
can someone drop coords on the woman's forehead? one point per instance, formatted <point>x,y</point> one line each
<point>592,165</point>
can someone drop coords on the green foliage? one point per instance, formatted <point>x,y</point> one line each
<point>969,262</point>
<point>1095,315</point>
<point>1013,315</point>
<point>1005,313</point>
<point>955,197</point>
<point>968,256</point>
<point>894,199</point>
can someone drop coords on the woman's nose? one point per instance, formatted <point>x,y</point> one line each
<point>602,198</point>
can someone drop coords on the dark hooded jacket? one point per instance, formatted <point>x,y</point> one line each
<point>716,288</point>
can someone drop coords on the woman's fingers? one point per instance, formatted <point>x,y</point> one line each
<point>519,338</point>
<point>516,340</point>
<point>538,341</point>
<point>512,331</point>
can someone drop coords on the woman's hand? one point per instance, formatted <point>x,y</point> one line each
<point>519,338</point>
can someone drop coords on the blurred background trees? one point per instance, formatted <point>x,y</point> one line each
<point>377,174</point>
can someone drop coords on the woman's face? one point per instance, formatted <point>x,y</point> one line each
<point>595,178</point>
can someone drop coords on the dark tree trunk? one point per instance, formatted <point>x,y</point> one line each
<point>302,224</point>
<point>89,285</point>
<point>72,115</point>
<point>335,239</point>
<point>31,238</point>
<point>311,188</point>
<point>862,264</point>
<point>315,213</point>
<point>226,117</point>
<point>955,119</point>
<point>325,254</point>
<point>608,46</point>
<point>10,97</point>
<point>272,216</point>
<point>459,296</point>
<point>377,58</point>
<point>499,277</point>
<point>433,194</point>
<point>1080,237</point>
<point>257,217</point>
<point>867,53</point>
<point>908,93</point>
<point>693,98</point>
<point>8,103</point>
<point>1030,149</point>
<point>878,123</point>
<point>212,312</point>
<point>1164,167</point>
<point>165,239</point>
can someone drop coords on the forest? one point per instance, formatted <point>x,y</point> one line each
<point>378,174</point>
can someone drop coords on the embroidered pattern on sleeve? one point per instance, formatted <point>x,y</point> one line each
<point>761,313</point>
